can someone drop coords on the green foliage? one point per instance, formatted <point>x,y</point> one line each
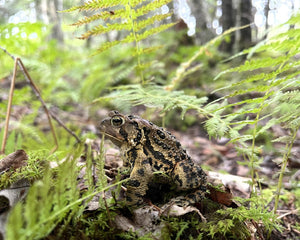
<point>13,143</point>
<point>55,201</point>
<point>46,62</point>
<point>277,101</point>
<point>186,69</point>
<point>49,201</point>
<point>48,66</point>
<point>135,21</point>
<point>156,96</point>
<point>127,14</point>
<point>108,69</point>
<point>14,36</point>
<point>32,171</point>
<point>231,221</point>
<point>267,96</point>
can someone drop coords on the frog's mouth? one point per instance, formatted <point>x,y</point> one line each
<point>112,138</point>
<point>111,135</point>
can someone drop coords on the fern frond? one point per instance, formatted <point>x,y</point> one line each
<point>128,12</point>
<point>149,49</point>
<point>93,5</point>
<point>156,96</point>
<point>248,151</point>
<point>109,45</point>
<point>283,139</point>
<point>267,126</point>
<point>104,29</point>
<point>29,131</point>
<point>153,5</point>
<point>129,15</point>
<point>275,77</point>
<point>215,127</point>
<point>103,16</point>
<point>156,18</point>
<point>126,26</point>
<point>251,65</point>
<point>244,91</point>
<point>100,29</point>
<point>292,97</point>
<point>153,31</point>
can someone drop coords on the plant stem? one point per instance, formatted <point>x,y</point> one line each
<point>261,107</point>
<point>137,44</point>
<point>10,99</point>
<point>286,156</point>
<point>56,215</point>
<point>252,154</point>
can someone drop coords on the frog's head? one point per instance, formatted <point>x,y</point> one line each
<point>122,129</point>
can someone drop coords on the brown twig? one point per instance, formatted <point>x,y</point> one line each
<point>294,211</point>
<point>38,95</point>
<point>10,98</point>
<point>64,126</point>
<point>4,50</point>
<point>110,180</point>
<point>19,62</point>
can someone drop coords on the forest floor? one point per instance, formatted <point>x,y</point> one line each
<point>220,158</point>
<point>215,156</point>
<point>222,161</point>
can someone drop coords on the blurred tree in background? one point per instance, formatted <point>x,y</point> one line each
<point>42,35</point>
<point>212,17</point>
<point>38,32</point>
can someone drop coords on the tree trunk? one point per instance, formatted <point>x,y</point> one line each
<point>38,10</point>
<point>53,6</point>
<point>200,10</point>
<point>246,18</point>
<point>227,21</point>
<point>266,12</point>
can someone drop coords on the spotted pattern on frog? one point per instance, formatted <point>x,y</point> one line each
<point>147,149</point>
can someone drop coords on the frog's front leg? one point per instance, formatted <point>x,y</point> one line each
<point>137,184</point>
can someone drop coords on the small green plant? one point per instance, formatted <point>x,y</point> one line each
<point>50,200</point>
<point>32,171</point>
<point>278,101</point>
<point>54,201</point>
<point>272,77</point>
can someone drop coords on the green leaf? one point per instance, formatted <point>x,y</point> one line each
<point>153,31</point>
<point>93,5</point>
<point>153,5</point>
<point>155,96</point>
<point>103,16</point>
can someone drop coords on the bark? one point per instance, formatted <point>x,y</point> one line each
<point>38,10</point>
<point>266,11</point>
<point>53,6</point>
<point>227,21</point>
<point>246,18</point>
<point>201,11</point>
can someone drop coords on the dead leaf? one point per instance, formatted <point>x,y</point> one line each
<point>14,160</point>
<point>231,181</point>
<point>175,211</point>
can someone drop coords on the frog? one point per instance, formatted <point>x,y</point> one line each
<point>148,151</point>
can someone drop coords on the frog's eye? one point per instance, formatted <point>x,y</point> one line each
<point>117,121</point>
